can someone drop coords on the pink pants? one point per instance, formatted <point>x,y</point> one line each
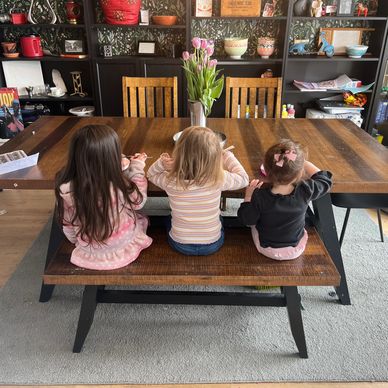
<point>285,253</point>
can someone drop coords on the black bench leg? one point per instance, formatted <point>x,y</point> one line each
<point>88,307</point>
<point>325,225</point>
<point>56,237</point>
<point>295,318</point>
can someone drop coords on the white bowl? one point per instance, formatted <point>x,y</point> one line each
<point>356,51</point>
<point>235,47</point>
<point>82,111</point>
<point>220,134</point>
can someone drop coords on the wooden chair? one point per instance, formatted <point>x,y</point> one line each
<point>261,97</point>
<point>150,97</point>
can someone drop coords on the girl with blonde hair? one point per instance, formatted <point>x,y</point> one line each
<point>194,177</point>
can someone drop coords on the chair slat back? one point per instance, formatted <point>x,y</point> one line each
<point>150,97</point>
<point>253,97</point>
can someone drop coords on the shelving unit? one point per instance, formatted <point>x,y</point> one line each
<point>102,76</point>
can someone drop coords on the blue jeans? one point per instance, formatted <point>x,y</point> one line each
<point>195,249</point>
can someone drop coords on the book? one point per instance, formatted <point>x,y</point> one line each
<point>16,160</point>
<point>11,121</point>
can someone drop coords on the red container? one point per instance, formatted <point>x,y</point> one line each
<point>18,18</point>
<point>31,46</point>
<point>121,11</point>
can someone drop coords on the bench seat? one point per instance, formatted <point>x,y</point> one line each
<point>237,263</point>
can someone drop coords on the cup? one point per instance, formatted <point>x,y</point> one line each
<point>55,91</point>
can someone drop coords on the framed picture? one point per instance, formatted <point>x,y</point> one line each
<point>342,37</point>
<point>345,7</point>
<point>73,46</point>
<point>331,9</point>
<point>269,10</point>
<point>146,48</point>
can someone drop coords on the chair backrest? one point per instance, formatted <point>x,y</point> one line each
<point>150,97</point>
<point>261,97</point>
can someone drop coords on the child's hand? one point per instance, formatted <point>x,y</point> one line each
<point>167,161</point>
<point>255,184</point>
<point>139,156</point>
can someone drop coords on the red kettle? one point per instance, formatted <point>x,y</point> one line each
<point>31,46</point>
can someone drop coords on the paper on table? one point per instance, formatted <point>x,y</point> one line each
<point>17,164</point>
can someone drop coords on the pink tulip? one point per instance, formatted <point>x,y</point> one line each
<point>185,55</point>
<point>196,42</point>
<point>192,57</point>
<point>213,63</point>
<point>210,50</point>
<point>203,44</point>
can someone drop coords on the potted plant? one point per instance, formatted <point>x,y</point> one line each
<point>204,85</point>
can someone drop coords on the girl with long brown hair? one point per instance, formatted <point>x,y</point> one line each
<point>194,177</point>
<point>98,193</point>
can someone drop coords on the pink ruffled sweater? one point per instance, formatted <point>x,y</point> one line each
<point>127,240</point>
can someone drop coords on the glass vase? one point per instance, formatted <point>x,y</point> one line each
<point>197,114</point>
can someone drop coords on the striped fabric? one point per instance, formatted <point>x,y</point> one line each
<point>195,211</point>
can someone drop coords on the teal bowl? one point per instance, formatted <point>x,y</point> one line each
<point>356,51</point>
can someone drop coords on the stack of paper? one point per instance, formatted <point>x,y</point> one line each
<point>16,160</point>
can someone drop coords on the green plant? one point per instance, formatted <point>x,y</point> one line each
<point>203,81</point>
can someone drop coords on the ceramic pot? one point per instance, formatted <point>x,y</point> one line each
<point>265,47</point>
<point>73,11</point>
<point>8,47</point>
<point>301,7</point>
<point>197,114</point>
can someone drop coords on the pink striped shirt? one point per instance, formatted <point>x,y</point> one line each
<point>195,211</point>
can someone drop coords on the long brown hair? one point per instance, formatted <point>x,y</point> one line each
<point>287,170</point>
<point>197,158</point>
<point>93,169</point>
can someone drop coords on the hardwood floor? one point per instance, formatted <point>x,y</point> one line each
<point>27,213</point>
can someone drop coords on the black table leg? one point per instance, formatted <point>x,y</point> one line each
<point>88,307</point>
<point>295,318</point>
<point>325,224</point>
<point>56,237</point>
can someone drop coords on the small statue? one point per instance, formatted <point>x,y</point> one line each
<point>361,9</point>
<point>316,8</point>
<point>297,49</point>
<point>325,46</point>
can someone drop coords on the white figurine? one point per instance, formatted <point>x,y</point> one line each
<point>316,8</point>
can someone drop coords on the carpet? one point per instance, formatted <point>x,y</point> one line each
<point>195,344</point>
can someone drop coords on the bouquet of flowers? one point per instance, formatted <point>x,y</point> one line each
<point>203,83</point>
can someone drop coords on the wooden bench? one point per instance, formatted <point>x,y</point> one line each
<point>237,263</point>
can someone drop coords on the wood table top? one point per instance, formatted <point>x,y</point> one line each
<point>358,162</point>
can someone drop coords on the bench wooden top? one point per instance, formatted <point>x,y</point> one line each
<point>237,263</point>
<point>358,163</point>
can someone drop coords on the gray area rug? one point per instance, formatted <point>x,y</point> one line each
<point>187,344</point>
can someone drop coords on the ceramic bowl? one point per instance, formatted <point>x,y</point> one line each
<point>235,47</point>
<point>265,46</point>
<point>164,20</point>
<point>220,134</point>
<point>356,51</point>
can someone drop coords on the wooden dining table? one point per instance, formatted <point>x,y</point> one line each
<point>359,164</point>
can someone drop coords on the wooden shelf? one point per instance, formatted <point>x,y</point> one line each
<point>249,60</point>
<point>30,25</point>
<point>336,58</point>
<point>293,89</point>
<point>150,26</point>
<point>353,18</point>
<point>253,18</point>
<point>45,59</point>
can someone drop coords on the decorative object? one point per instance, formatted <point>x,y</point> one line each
<point>77,84</point>
<point>163,20</point>
<point>356,51</point>
<point>249,8</point>
<point>146,48</point>
<point>73,11</point>
<point>325,48</point>
<point>203,8</point>
<point>361,9</point>
<point>204,85</point>
<point>345,8</point>
<point>82,111</point>
<point>58,80</point>
<point>267,74</point>
<point>121,12</point>
<point>265,47</point>
<point>373,7</point>
<point>339,38</point>
<point>31,46</point>
<point>18,14</point>
<point>316,8</point>
<point>330,10</point>
<point>20,74</point>
<point>269,9</point>
<point>144,17</point>
<point>298,49</point>
<point>9,49</point>
<point>56,92</point>
<point>32,18</point>
<point>107,51</point>
<point>301,7</point>
<point>359,99</point>
<point>235,47</point>
<point>73,46</point>
<point>4,18</point>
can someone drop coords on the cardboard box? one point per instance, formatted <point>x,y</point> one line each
<point>238,8</point>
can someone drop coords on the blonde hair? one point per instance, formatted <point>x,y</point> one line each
<point>197,158</point>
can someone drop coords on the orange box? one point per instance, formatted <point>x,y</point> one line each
<point>238,8</point>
